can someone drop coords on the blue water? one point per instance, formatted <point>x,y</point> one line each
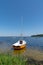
<point>32,42</point>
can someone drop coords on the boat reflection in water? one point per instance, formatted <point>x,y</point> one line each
<point>19,52</point>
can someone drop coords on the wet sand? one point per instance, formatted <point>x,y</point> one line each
<point>35,54</point>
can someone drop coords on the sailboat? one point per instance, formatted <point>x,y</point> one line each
<point>20,44</point>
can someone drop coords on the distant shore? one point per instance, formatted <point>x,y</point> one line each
<point>38,35</point>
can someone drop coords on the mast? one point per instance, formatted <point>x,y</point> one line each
<point>21,27</point>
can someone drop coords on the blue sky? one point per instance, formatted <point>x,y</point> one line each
<point>21,16</point>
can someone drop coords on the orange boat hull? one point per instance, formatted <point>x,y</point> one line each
<point>19,47</point>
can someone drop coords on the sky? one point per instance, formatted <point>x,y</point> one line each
<point>21,17</point>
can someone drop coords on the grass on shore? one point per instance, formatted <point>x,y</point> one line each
<point>6,59</point>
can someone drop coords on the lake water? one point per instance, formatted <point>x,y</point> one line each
<point>35,43</point>
<point>32,42</point>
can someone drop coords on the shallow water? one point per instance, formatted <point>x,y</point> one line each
<point>34,47</point>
